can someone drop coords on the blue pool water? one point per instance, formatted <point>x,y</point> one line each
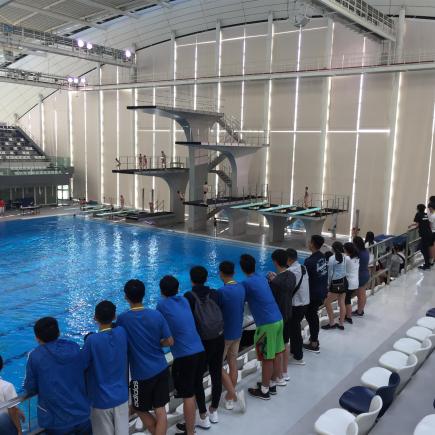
<point>63,266</point>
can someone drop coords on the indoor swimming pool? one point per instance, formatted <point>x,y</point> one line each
<point>63,266</point>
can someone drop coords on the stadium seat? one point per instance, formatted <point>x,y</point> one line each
<point>426,426</point>
<point>357,399</point>
<point>420,349</point>
<point>419,333</point>
<point>427,322</point>
<point>431,312</point>
<point>338,421</point>
<point>377,377</point>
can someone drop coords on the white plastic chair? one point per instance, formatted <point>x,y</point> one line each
<point>427,322</point>
<point>377,377</point>
<point>418,333</point>
<point>420,349</point>
<point>426,426</point>
<point>338,421</point>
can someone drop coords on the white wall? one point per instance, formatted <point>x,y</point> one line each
<point>328,134</point>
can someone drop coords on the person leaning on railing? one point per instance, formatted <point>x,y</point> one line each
<point>10,418</point>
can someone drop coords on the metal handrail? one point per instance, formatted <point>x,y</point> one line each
<point>150,162</point>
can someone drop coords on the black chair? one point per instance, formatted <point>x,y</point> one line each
<point>357,399</point>
<point>431,312</point>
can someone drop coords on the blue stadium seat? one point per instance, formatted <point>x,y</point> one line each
<point>431,312</point>
<point>357,399</point>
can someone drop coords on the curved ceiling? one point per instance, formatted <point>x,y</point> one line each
<point>141,23</point>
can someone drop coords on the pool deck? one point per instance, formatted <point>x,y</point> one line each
<point>255,234</point>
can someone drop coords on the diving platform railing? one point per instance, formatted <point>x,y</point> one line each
<point>45,166</point>
<point>143,162</point>
<point>382,254</point>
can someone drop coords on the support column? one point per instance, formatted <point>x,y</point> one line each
<point>41,121</point>
<point>277,226</point>
<point>237,221</point>
<point>312,227</point>
<point>100,138</point>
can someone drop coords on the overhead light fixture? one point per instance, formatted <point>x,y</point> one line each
<point>80,43</point>
<point>70,79</point>
<point>128,53</point>
<point>83,80</point>
<point>76,80</point>
<point>89,45</point>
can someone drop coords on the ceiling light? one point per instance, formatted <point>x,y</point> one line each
<point>89,46</point>
<point>70,79</point>
<point>128,54</point>
<point>83,80</point>
<point>76,80</point>
<point>80,43</point>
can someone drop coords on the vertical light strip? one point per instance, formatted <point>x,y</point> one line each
<point>295,120</point>
<point>269,105</point>
<point>195,74</point>
<point>136,152</point>
<point>394,157</point>
<point>219,91</point>
<point>56,143</point>
<point>85,109</point>
<point>101,108</point>
<point>71,136</point>
<point>358,126</point>
<point>242,105</point>
<point>325,151</point>
<point>430,156</point>
<point>154,138</point>
<point>174,124</point>
<point>117,137</point>
<point>43,125</point>
<point>328,104</point>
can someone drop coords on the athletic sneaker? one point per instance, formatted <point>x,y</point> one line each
<point>424,267</point>
<point>356,313</point>
<point>296,362</point>
<point>256,392</point>
<point>312,348</point>
<point>340,327</point>
<point>328,326</point>
<point>241,401</point>
<point>349,320</point>
<point>272,389</point>
<point>213,416</point>
<point>281,382</point>
<point>203,423</point>
<point>286,377</point>
<point>229,404</point>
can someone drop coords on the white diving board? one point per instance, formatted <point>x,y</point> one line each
<point>278,207</point>
<point>306,211</point>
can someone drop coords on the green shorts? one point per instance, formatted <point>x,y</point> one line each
<point>269,340</point>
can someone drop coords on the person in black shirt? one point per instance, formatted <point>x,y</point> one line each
<point>317,270</point>
<point>425,233</point>
<point>283,283</point>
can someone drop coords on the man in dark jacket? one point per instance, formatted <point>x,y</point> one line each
<point>283,283</point>
<point>317,269</point>
<point>425,232</point>
<point>204,303</point>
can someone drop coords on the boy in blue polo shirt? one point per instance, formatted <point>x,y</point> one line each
<point>187,349</point>
<point>55,373</point>
<point>147,333</point>
<point>231,299</point>
<point>105,356</point>
<point>268,339</point>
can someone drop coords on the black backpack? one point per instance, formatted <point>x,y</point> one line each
<point>208,317</point>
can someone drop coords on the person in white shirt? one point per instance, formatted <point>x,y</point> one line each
<point>300,301</point>
<point>337,286</point>
<point>10,419</point>
<point>352,271</point>
<point>205,192</point>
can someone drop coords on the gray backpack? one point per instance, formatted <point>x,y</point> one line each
<point>208,316</point>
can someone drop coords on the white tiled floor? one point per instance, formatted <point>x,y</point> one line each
<point>291,411</point>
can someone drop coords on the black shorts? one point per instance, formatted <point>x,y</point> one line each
<point>286,332</point>
<point>340,286</point>
<point>186,373</point>
<point>151,393</point>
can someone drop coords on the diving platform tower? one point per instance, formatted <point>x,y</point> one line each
<point>206,156</point>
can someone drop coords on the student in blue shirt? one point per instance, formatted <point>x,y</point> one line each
<point>268,339</point>
<point>55,373</point>
<point>187,349</point>
<point>231,299</point>
<point>147,333</point>
<point>105,356</point>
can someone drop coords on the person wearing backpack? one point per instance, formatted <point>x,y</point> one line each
<point>204,303</point>
<point>300,302</point>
